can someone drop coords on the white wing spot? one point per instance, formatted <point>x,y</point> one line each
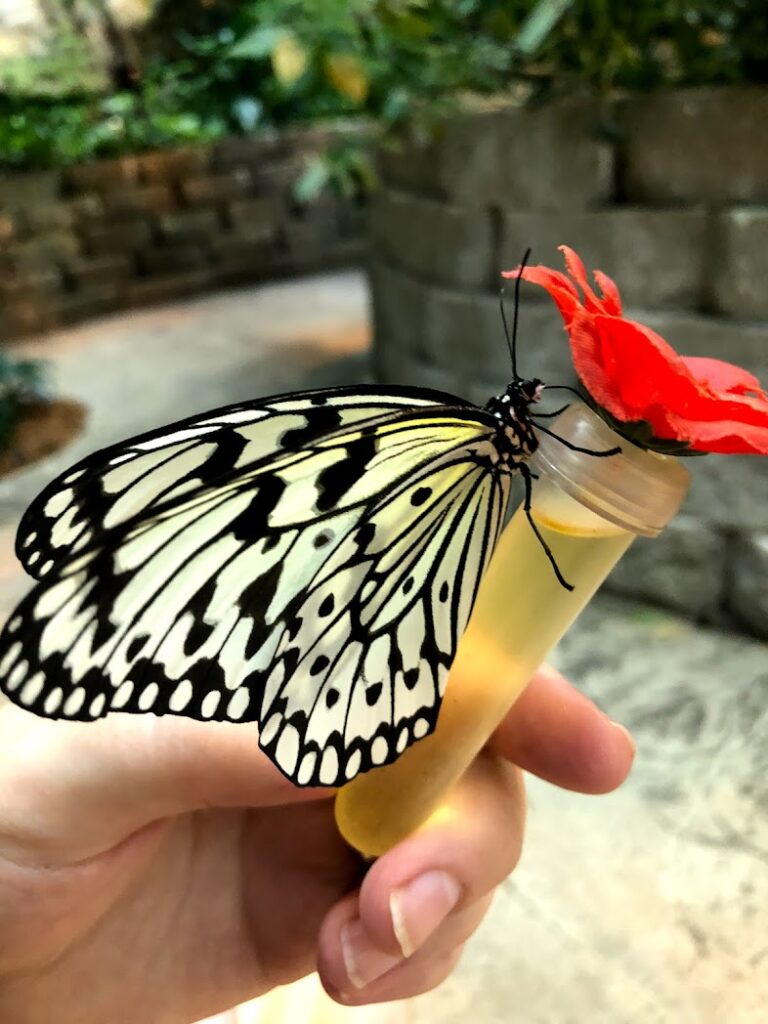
<point>34,557</point>
<point>148,696</point>
<point>287,751</point>
<point>420,728</point>
<point>97,704</point>
<point>176,438</point>
<point>14,624</point>
<point>32,689</point>
<point>238,416</point>
<point>74,476</point>
<point>353,764</point>
<point>329,766</point>
<point>18,674</point>
<point>123,694</point>
<point>56,505</point>
<point>10,656</point>
<point>402,739</point>
<point>307,768</point>
<point>181,696</point>
<point>46,567</point>
<point>74,701</point>
<point>53,700</point>
<point>210,703</point>
<point>379,750</point>
<point>30,539</point>
<point>269,731</point>
<point>238,703</point>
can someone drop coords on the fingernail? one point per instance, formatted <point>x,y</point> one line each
<point>627,733</point>
<point>420,906</point>
<point>363,962</point>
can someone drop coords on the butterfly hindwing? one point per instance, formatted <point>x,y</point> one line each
<point>361,668</point>
<point>210,597</point>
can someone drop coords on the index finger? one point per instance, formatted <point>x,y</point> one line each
<point>559,734</point>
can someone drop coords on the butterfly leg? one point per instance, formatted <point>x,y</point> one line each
<point>576,447</point>
<point>549,415</point>
<point>528,482</point>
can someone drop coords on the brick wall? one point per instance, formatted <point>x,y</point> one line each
<point>667,193</point>
<point>111,234</point>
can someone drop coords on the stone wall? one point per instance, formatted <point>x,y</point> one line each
<point>666,193</point>
<point>118,233</point>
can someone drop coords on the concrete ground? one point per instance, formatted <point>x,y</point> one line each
<point>648,906</point>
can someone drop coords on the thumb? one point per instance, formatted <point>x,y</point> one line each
<point>69,790</point>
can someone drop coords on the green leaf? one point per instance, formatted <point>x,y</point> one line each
<point>258,43</point>
<point>313,180</point>
<point>539,23</point>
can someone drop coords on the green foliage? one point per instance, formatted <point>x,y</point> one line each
<point>343,168</point>
<point>238,67</point>
<point>67,66</point>
<point>608,45</point>
<point>21,381</point>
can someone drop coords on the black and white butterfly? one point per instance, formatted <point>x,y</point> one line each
<point>308,562</point>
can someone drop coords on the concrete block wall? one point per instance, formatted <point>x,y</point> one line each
<point>139,229</point>
<point>668,194</point>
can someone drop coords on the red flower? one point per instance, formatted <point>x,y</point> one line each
<point>634,375</point>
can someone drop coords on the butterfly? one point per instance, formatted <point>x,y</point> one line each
<point>307,561</point>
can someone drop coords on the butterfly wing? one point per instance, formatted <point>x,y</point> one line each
<point>320,590</point>
<point>135,479</point>
<point>360,670</point>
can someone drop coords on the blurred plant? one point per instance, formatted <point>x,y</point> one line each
<point>217,67</point>
<point>22,382</point>
<point>344,168</point>
<point>66,66</point>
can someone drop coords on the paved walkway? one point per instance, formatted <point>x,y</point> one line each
<point>649,906</point>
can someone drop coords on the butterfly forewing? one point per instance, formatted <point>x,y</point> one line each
<point>134,479</point>
<point>313,573</point>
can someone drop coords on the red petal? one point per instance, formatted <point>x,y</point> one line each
<point>575,268</point>
<point>559,287</point>
<point>644,370</point>
<point>611,297</point>
<point>721,376</point>
<point>724,436</point>
<point>587,355</point>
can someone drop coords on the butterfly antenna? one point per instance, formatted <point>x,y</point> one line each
<point>512,341</point>
<point>506,331</point>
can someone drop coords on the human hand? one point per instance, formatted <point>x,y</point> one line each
<point>163,870</point>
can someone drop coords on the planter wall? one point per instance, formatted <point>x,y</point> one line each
<point>118,233</point>
<point>666,193</point>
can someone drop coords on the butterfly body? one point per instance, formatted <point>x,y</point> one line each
<point>308,562</point>
<point>511,409</point>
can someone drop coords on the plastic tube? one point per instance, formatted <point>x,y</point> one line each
<point>588,510</point>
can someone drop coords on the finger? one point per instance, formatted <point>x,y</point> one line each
<point>557,733</point>
<point>414,895</point>
<point>71,789</point>
<point>394,976</point>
